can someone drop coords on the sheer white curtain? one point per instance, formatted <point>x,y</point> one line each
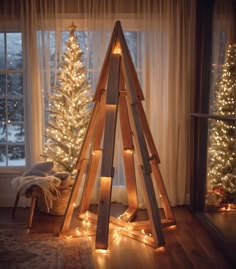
<point>165,45</point>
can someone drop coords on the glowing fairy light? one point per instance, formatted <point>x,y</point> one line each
<point>222,138</point>
<point>68,237</point>
<point>69,108</point>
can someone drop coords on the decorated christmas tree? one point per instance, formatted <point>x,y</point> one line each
<point>69,109</point>
<point>222,138</point>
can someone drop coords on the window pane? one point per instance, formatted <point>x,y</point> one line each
<point>52,49</point>
<point>2,110</point>
<point>3,133</point>
<point>16,155</point>
<point>15,110</point>
<point>2,84</point>
<point>14,51</point>
<point>15,84</point>
<point>3,155</point>
<point>15,133</point>
<point>2,51</point>
<point>131,39</point>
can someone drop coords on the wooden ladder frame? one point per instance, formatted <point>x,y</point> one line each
<point>123,92</point>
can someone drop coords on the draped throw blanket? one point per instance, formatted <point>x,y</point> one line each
<point>48,184</point>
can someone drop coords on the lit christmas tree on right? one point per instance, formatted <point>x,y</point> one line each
<point>222,138</point>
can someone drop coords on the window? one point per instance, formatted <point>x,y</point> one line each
<point>84,38</point>
<point>12,139</point>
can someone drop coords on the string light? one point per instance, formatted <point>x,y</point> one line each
<point>222,138</point>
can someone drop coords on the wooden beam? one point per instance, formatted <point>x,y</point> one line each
<point>160,185</point>
<point>89,181</point>
<point>128,214</point>
<point>130,177</point>
<point>128,152</point>
<point>104,71</point>
<point>152,207</point>
<point>141,142</point>
<point>89,134</point>
<point>103,213</point>
<point>126,131</point>
<point>130,74</point>
<point>110,117</point>
<point>107,170</point>
<point>94,157</point>
<point>147,132</point>
<point>74,193</point>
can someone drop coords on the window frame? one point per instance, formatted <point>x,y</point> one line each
<point>10,168</point>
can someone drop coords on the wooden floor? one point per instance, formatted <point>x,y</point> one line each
<point>188,245</point>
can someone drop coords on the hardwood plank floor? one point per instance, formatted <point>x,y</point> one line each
<point>188,245</point>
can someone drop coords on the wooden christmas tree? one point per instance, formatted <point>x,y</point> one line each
<point>118,88</point>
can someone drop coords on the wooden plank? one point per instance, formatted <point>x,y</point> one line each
<point>128,152</point>
<point>89,134</point>
<point>146,225</point>
<point>107,169</point>
<point>140,236</point>
<point>128,215</point>
<point>160,185</point>
<point>110,117</point>
<point>130,72</point>
<point>103,213</point>
<point>74,193</point>
<point>101,85</point>
<point>94,157</point>
<point>152,206</point>
<point>113,80</point>
<point>98,133</point>
<point>124,122</point>
<point>130,178</point>
<point>89,181</point>
<point>108,152</point>
<point>141,142</point>
<point>148,133</point>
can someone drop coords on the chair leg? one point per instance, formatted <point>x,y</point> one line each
<point>33,202</point>
<point>15,205</point>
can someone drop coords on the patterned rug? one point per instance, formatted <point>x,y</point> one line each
<point>19,250</point>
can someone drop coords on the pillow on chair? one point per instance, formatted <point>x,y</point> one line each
<point>43,166</point>
<point>34,173</point>
<point>61,175</point>
<point>40,169</point>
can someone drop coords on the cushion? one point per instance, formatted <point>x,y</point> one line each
<point>31,172</point>
<point>43,166</point>
<point>61,175</point>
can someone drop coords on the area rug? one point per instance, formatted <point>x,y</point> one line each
<point>19,250</point>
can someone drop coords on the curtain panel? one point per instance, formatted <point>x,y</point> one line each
<point>165,62</point>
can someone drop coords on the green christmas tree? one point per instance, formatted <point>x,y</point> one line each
<point>222,138</point>
<point>69,109</point>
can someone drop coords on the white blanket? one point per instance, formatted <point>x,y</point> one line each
<point>48,184</point>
